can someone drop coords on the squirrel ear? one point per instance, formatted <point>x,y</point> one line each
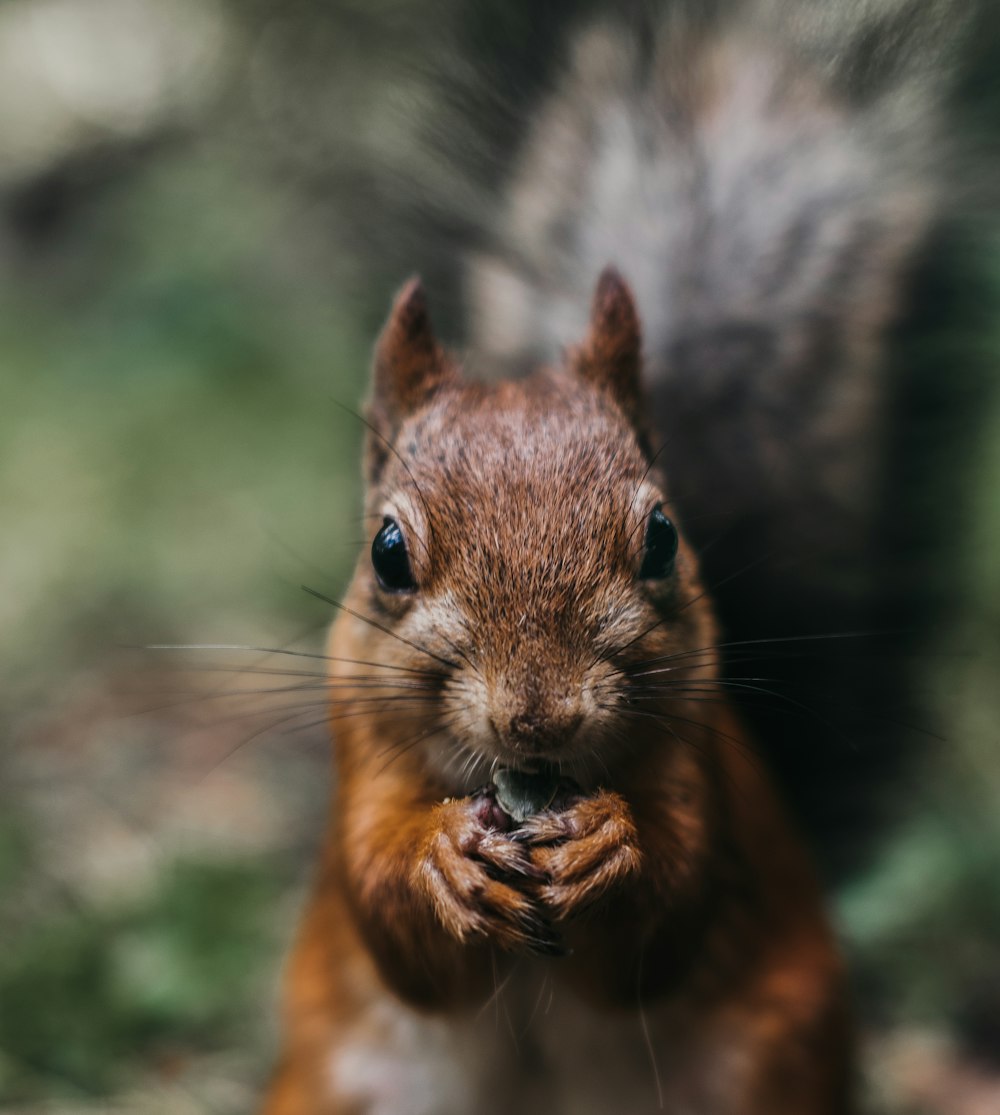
<point>610,357</point>
<point>409,366</point>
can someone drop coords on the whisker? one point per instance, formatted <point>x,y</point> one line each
<point>673,690</point>
<point>663,718</point>
<point>425,679</point>
<point>244,742</point>
<point>605,657</point>
<point>305,727</point>
<point>659,719</point>
<point>684,690</point>
<point>770,641</point>
<point>390,689</point>
<point>401,749</point>
<point>401,705</point>
<point>293,653</point>
<point>378,626</point>
<point>461,653</point>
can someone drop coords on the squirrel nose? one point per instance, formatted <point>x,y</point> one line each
<point>538,727</point>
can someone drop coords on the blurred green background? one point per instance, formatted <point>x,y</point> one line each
<point>204,207</point>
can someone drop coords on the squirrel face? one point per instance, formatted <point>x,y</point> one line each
<point>525,568</point>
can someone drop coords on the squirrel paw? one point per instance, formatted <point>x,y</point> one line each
<point>583,852</point>
<point>476,878</point>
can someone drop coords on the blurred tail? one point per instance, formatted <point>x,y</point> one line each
<point>767,176</point>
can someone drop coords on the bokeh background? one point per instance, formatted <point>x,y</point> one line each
<point>204,207</point>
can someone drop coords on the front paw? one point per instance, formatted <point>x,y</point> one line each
<point>477,878</point>
<point>583,852</point>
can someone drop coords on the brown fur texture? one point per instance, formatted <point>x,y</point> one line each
<point>654,938</point>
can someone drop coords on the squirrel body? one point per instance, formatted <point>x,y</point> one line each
<point>655,939</point>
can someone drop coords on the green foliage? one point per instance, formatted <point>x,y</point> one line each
<point>91,997</point>
<point>170,408</point>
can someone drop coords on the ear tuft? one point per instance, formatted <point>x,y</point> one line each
<point>409,363</point>
<point>610,357</point>
<point>409,366</point>
<point>410,322</point>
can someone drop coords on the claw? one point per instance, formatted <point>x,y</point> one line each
<point>483,885</point>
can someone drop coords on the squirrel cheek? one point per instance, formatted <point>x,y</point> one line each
<point>479,733</point>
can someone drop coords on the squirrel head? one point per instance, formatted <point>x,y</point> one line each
<point>526,574</point>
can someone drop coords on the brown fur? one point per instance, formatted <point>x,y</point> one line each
<point>664,903</point>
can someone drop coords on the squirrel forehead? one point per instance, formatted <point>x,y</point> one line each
<point>536,438</point>
<point>530,494</point>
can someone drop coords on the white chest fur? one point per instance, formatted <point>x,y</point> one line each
<point>533,1049</point>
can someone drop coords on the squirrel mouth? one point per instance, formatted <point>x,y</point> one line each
<point>522,793</point>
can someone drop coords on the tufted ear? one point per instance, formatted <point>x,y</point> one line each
<point>409,366</point>
<point>610,356</point>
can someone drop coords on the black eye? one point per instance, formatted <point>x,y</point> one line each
<point>390,559</point>
<point>661,546</point>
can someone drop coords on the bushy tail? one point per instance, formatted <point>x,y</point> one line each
<point>767,176</point>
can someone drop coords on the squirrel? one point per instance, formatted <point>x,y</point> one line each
<point>652,930</point>
<point>565,868</point>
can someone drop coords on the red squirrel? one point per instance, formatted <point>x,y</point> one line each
<point>650,936</point>
<point>558,877</point>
